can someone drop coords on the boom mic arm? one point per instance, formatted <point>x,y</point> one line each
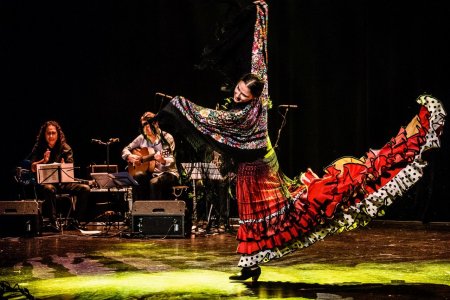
<point>163,95</point>
<point>96,141</point>
<point>110,141</point>
<point>288,106</point>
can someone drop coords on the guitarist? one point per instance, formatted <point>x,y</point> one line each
<point>151,161</point>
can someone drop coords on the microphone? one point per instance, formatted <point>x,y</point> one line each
<point>114,140</point>
<point>287,106</point>
<point>95,141</point>
<point>163,95</point>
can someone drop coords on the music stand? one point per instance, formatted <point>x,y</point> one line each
<point>55,173</point>
<point>200,170</point>
<point>113,180</point>
<point>197,171</point>
<point>124,179</point>
<point>103,180</point>
<point>58,173</point>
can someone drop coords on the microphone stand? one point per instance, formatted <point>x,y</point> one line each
<point>109,142</point>
<point>163,97</point>
<point>283,123</point>
<point>107,156</point>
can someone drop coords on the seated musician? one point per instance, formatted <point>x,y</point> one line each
<point>151,161</point>
<point>51,147</point>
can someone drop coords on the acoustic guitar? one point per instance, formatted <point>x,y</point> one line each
<point>146,162</point>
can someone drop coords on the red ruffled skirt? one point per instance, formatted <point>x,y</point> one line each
<point>278,214</point>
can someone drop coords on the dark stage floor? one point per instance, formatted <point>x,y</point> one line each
<point>395,260</point>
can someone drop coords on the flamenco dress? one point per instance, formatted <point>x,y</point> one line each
<point>278,214</point>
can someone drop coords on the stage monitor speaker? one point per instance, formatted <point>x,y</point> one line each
<point>159,218</point>
<point>20,217</point>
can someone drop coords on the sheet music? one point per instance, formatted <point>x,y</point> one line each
<point>67,172</point>
<point>200,170</point>
<point>113,180</point>
<point>104,180</point>
<point>55,173</point>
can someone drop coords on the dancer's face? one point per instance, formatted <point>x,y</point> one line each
<point>242,93</point>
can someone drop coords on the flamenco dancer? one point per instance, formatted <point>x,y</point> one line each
<point>279,215</point>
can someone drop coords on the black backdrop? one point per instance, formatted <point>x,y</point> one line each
<point>354,68</point>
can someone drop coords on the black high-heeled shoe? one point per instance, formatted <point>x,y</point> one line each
<point>246,273</point>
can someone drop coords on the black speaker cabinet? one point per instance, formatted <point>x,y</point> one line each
<point>20,217</point>
<point>159,218</point>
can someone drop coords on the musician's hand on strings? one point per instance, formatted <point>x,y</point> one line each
<point>134,159</point>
